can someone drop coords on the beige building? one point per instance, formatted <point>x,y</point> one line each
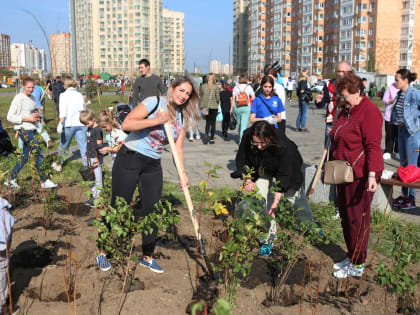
<point>240,36</point>
<point>27,58</point>
<point>376,36</point>
<point>215,66</point>
<point>173,41</point>
<point>61,53</point>
<point>112,36</point>
<point>5,58</point>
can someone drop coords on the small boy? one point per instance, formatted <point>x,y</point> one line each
<point>93,157</point>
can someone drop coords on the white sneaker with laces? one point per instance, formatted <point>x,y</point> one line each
<point>11,183</point>
<point>350,271</point>
<point>48,184</point>
<point>341,264</point>
<point>387,156</point>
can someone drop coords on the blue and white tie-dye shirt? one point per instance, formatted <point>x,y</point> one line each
<point>151,141</point>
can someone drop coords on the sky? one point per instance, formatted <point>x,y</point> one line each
<point>208,25</point>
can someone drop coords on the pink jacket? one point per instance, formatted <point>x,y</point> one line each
<point>390,94</point>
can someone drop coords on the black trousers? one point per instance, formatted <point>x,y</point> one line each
<point>289,94</point>
<point>391,138</point>
<point>211,123</point>
<point>282,126</point>
<point>132,168</point>
<point>226,121</point>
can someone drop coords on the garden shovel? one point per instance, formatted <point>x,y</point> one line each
<point>187,197</point>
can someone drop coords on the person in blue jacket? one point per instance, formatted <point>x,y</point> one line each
<point>267,106</point>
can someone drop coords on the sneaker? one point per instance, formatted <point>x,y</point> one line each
<point>191,139</point>
<point>11,183</point>
<point>387,156</point>
<point>197,137</point>
<point>102,262</point>
<point>57,167</point>
<point>90,202</point>
<point>152,265</point>
<point>341,264</point>
<point>48,184</point>
<point>211,141</point>
<point>397,203</point>
<point>408,204</point>
<point>350,271</point>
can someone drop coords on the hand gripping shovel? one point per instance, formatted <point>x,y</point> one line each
<point>188,198</point>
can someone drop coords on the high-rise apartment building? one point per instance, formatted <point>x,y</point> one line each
<point>173,41</point>
<point>27,58</point>
<point>316,35</point>
<point>112,36</point>
<point>215,66</point>
<point>240,36</point>
<point>61,53</point>
<point>5,61</point>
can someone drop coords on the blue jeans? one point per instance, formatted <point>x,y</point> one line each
<point>68,133</point>
<point>328,127</point>
<point>30,145</point>
<point>407,147</point>
<point>301,118</point>
<point>242,116</point>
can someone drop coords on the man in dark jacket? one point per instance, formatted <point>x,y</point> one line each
<point>276,162</point>
<point>148,84</point>
<point>58,88</point>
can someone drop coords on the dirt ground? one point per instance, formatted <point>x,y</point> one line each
<point>38,259</point>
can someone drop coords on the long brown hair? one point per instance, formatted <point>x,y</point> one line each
<point>211,80</point>
<point>107,117</point>
<point>190,108</point>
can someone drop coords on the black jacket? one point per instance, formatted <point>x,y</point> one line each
<point>58,88</point>
<point>303,86</point>
<point>282,162</point>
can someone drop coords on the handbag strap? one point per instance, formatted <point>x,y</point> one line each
<point>269,109</point>
<point>360,155</point>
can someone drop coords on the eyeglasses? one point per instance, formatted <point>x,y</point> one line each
<point>256,144</point>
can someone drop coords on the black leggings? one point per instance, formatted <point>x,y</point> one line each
<point>226,121</point>
<point>211,122</point>
<point>132,168</point>
<point>391,138</point>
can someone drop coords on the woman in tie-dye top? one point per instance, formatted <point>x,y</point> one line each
<point>138,161</point>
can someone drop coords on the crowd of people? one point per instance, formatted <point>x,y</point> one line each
<point>353,133</point>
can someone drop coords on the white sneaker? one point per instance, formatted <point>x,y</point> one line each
<point>57,167</point>
<point>387,156</point>
<point>341,264</point>
<point>48,184</point>
<point>350,271</point>
<point>197,137</point>
<point>191,138</point>
<point>11,183</point>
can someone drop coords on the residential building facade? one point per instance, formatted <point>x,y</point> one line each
<point>215,66</point>
<point>5,57</point>
<point>27,58</point>
<point>372,35</point>
<point>117,34</point>
<point>240,36</point>
<point>61,54</point>
<point>173,41</point>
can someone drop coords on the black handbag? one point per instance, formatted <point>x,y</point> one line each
<point>87,173</point>
<point>233,122</point>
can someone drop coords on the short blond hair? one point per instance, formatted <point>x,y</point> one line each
<point>69,82</point>
<point>86,116</point>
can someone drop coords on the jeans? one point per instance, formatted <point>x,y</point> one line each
<point>68,133</point>
<point>391,137</point>
<point>40,129</point>
<point>301,118</point>
<point>211,123</point>
<point>131,169</point>
<point>30,145</point>
<point>407,146</point>
<point>328,127</point>
<point>242,116</point>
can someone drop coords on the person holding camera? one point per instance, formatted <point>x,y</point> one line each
<point>24,116</point>
<point>305,96</point>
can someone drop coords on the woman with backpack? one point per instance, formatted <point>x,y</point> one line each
<point>242,93</point>
<point>210,99</point>
<point>305,96</point>
<point>267,105</point>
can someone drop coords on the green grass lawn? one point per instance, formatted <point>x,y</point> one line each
<point>4,90</point>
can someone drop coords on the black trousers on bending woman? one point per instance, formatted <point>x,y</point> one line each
<point>132,168</point>
<point>211,123</point>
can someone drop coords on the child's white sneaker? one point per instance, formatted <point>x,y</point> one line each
<point>48,184</point>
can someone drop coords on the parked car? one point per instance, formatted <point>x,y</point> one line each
<point>5,85</point>
<point>317,87</point>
